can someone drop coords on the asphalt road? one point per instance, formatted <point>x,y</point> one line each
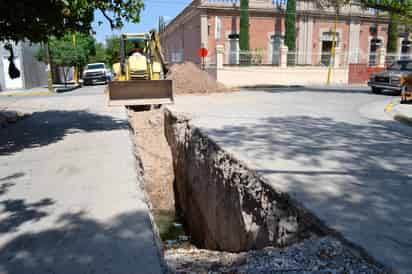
<point>70,198</point>
<point>336,151</point>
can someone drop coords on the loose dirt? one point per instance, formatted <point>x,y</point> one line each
<point>188,78</point>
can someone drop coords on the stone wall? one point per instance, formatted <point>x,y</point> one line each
<point>225,205</point>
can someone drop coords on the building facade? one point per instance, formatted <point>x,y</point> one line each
<point>361,33</point>
<point>32,72</point>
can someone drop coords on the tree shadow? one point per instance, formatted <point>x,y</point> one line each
<point>47,127</point>
<point>356,177</point>
<point>80,244</point>
<point>18,212</point>
<point>323,89</point>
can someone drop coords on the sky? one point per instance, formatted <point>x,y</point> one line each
<point>149,18</point>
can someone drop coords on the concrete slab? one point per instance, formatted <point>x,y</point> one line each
<point>336,152</point>
<point>70,199</point>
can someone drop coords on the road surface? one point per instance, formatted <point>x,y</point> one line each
<point>336,151</point>
<point>70,199</point>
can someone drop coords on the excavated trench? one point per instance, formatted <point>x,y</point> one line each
<point>221,204</point>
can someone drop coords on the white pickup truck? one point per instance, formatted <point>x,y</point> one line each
<point>96,73</point>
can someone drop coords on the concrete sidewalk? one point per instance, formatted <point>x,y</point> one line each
<point>70,196</point>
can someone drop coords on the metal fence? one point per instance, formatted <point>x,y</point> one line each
<point>321,59</point>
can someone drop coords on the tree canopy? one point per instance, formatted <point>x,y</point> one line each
<point>290,25</point>
<point>64,52</point>
<point>38,20</point>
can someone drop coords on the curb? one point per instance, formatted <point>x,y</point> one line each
<point>34,93</point>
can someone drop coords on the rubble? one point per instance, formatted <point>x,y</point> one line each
<point>315,255</point>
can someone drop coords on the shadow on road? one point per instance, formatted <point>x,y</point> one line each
<point>79,244</point>
<point>345,89</point>
<point>356,176</point>
<point>47,127</point>
<point>19,212</point>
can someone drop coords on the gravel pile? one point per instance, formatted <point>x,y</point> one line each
<point>316,255</point>
<point>188,78</point>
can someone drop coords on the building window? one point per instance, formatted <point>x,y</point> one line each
<point>327,43</point>
<point>406,49</point>
<point>375,44</point>
<point>218,28</point>
<point>233,48</point>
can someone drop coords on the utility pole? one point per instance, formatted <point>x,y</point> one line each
<point>332,50</point>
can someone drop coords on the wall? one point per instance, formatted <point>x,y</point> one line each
<point>360,73</point>
<point>261,28</point>
<point>184,37</point>
<point>35,74</point>
<point>324,26</point>
<point>261,75</point>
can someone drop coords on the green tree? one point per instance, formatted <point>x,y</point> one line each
<point>393,34</point>
<point>65,54</point>
<point>244,45</point>
<point>38,20</point>
<point>290,25</point>
<point>112,49</point>
<point>100,54</point>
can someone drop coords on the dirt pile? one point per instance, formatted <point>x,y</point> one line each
<point>188,78</point>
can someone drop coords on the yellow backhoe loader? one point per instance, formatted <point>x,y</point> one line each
<point>139,76</point>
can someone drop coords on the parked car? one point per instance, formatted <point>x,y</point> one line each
<point>95,73</point>
<point>394,78</point>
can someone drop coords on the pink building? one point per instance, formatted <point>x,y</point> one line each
<point>212,23</point>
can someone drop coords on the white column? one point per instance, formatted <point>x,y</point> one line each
<point>220,49</point>
<point>283,56</point>
<point>203,30</point>
<point>354,37</point>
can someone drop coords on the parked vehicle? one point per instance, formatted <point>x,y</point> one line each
<point>394,78</point>
<point>95,73</point>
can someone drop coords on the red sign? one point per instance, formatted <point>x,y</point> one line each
<point>202,52</point>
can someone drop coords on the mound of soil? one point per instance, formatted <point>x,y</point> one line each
<point>189,78</point>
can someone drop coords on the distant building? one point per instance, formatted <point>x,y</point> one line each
<point>32,72</point>
<point>209,23</point>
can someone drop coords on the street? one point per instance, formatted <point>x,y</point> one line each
<point>336,152</point>
<point>70,198</point>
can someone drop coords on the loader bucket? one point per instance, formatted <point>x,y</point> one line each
<point>140,92</point>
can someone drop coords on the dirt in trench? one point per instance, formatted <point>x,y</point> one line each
<point>156,157</point>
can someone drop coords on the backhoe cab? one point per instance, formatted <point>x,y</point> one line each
<point>139,76</point>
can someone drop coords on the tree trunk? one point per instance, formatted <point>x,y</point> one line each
<point>48,63</point>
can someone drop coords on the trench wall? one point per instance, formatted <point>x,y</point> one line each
<point>225,205</point>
